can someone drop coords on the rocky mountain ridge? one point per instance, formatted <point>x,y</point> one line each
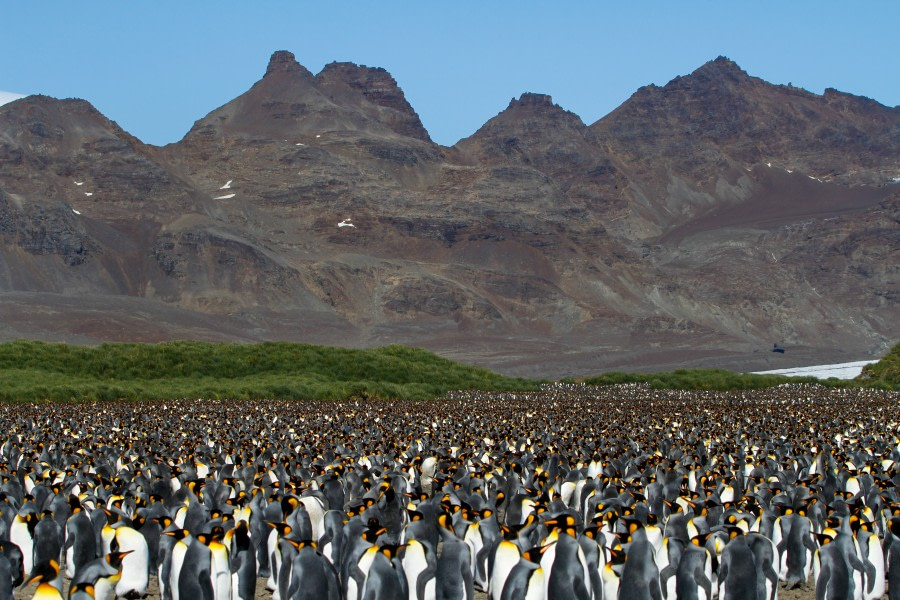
<point>695,225</point>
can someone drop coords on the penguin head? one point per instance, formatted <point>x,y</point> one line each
<point>827,536</point>
<point>44,572</point>
<point>444,521</point>
<point>85,587</point>
<point>283,528</point>
<point>217,534</point>
<point>564,523</point>
<point>534,555</point>
<point>31,520</point>
<point>299,545</point>
<point>894,526</point>
<point>163,521</point>
<point>178,534</point>
<point>372,533</point>
<point>391,550</point>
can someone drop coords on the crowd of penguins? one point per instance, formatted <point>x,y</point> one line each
<point>570,493</point>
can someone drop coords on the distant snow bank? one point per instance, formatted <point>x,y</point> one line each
<point>6,97</point>
<point>841,371</point>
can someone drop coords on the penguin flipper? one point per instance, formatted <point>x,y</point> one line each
<point>822,583</point>
<point>425,576</point>
<point>706,583</point>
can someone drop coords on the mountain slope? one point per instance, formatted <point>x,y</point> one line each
<point>695,225</point>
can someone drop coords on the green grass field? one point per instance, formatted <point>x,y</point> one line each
<point>37,371</point>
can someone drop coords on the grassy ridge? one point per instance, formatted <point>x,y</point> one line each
<point>704,379</point>
<point>35,371</point>
<point>885,374</point>
<point>886,370</point>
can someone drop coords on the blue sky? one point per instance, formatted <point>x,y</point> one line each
<point>156,67</point>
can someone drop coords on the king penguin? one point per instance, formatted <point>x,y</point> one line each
<point>80,545</point>
<point>454,565</point>
<point>135,566</point>
<point>21,533</point>
<point>420,568</point>
<point>312,575</point>
<point>243,563</point>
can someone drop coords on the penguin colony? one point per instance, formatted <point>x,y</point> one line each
<point>573,492</point>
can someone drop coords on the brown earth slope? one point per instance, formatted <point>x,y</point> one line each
<point>696,224</point>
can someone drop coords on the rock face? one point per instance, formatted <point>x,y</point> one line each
<point>696,224</point>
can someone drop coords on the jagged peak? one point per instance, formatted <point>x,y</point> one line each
<point>532,99</point>
<point>357,76</point>
<point>530,103</point>
<point>50,105</point>
<point>348,67</point>
<point>283,61</point>
<point>720,67</point>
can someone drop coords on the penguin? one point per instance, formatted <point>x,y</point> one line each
<point>189,572</point>
<point>454,565</point>
<point>356,562</point>
<point>489,532</point>
<point>527,580</point>
<point>420,568</point>
<point>765,558</point>
<point>167,540</point>
<point>520,506</point>
<point>693,577</point>
<point>259,531</point>
<point>21,533</point>
<point>505,558</point>
<point>892,560</point>
<point>135,566</point>
<point>422,525</point>
<point>6,578</point>
<point>331,540</point>
<point>667,558</point>
<point>834,567</point>
<point>611,574</point>
<point>333,488</point>
<point>315,508</point>
<point>102,574</point>
<point>595,557</point>
<point>640,575</point>
<point>243,563</point>
<point>151,529</point>
<point>80,544</point>
<point>384,579</point>
<point>872,556</point>
<point>792,535</point>
<point>47,541</point>
<point>13,555</point>
<point>46,574</point>
<point>286,552</point>
<point>220,565</point>
<point>737,571</point>
<point>564,566</point>
<point>278,530</point>
<point>312,575</point>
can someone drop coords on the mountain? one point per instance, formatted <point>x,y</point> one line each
<point>695,225</point>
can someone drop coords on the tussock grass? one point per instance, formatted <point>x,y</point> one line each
<point>703,379</point>
<point>33,371</point>
<point>885,372</point>
<point>36,371</point>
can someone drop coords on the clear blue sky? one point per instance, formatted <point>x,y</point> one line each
<point>156,67</point>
